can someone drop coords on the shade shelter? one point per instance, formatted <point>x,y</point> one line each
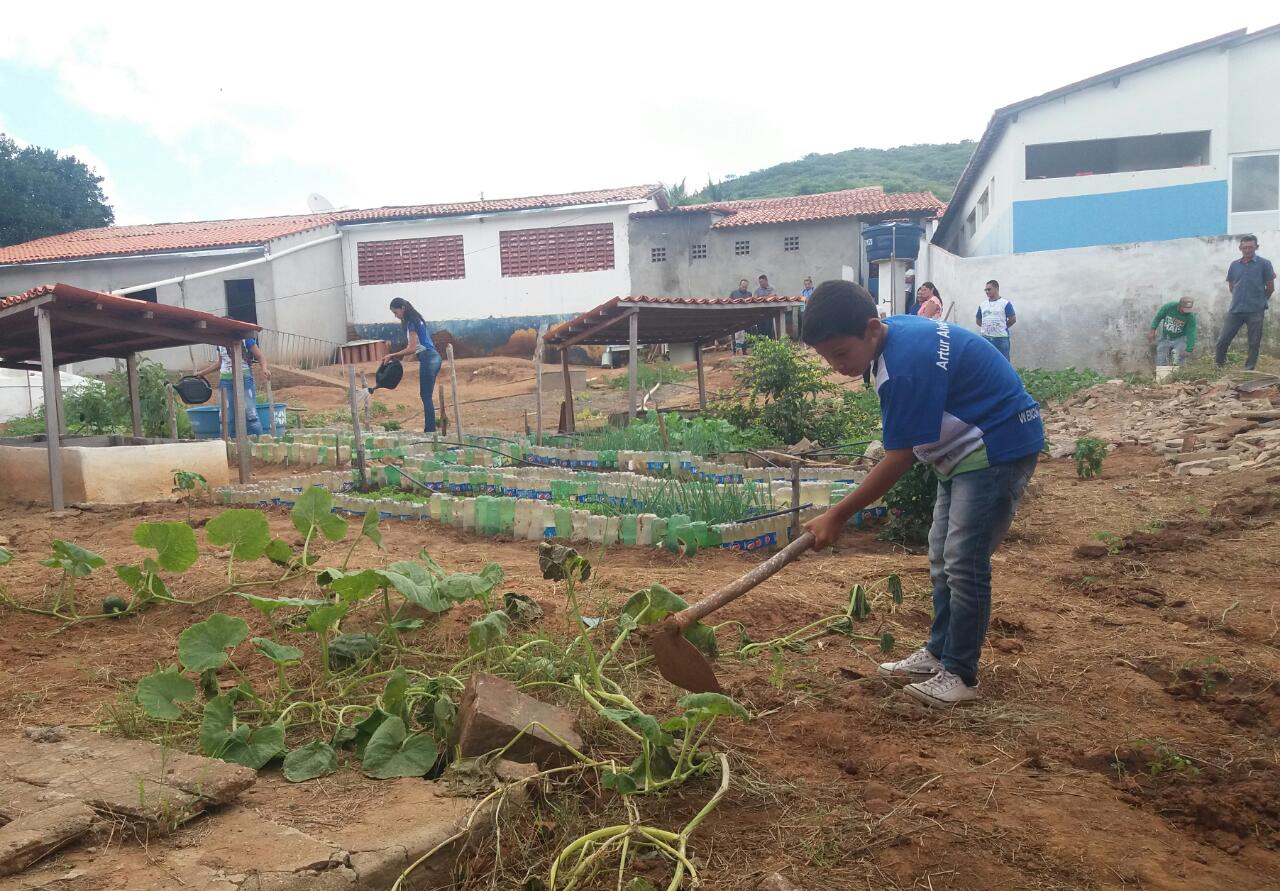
<point>54,325</point>
<point>644,320</point>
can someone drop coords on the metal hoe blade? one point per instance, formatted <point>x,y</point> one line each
<point>681,663</point>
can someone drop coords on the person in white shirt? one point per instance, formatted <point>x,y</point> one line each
<point>995,317</point>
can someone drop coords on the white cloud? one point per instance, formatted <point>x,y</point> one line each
<point>404,102</point>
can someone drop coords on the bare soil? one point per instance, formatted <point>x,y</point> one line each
<point>1128,735</point>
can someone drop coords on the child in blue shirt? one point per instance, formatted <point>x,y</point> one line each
<point>948,398</point>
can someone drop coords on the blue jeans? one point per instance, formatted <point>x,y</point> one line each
<point>252,425</point>
<point>1171,350</point>
<point>429,363</point>
<point>1000,343</point>
<point>970,518</point>
<point>1231,327</point>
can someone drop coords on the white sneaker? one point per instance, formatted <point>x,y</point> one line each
<point>919,666</point>
<point>943,690</point>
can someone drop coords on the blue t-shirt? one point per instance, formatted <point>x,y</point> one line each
<point>1248,283</point>
<point>945,392</point>
<point>424,338</point>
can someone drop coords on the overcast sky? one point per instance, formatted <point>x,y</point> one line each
<point>205,111</point>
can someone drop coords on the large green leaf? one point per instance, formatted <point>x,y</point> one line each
<point>369,528</point>
<point>157,693</point>
<point>174,543</point>
<point>5,556</point>
<point>281,654</point>
<point>325,618</point>
<point>493,574</point>
<point>268,605</point>
<point>315,759</point>
<point>314,510</point>
<point>279,552</point>
<point>242,744</point>
<point>656,602</point>
<point>462,586</point>
<point>244,531</point>
<point>393,752</point>
<point>348,649</point>
<point>72,559</point>
<point>205,644</point>
<point>416,584</point>
<point>394,698</point>
<point>357,586</point>
<point>708,704</point>
<point>488,631</point>
<point>146,586</point>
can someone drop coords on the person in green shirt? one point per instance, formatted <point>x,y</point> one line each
<point>1176,326</point>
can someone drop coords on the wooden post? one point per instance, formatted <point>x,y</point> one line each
<point>355,427</point>
<point>702,378</point>
<point>567,411</point>
<point>51,412</point>
<point>537,376</point>
<point>135,403</point>
<point>173,412</point>
<point>61,405</point>
<point>444,413</point>
<point>242,408</point>
<point>633,371</point>
<point>795,499</point>
<point>453,377</point>
<point>271,411</point>
<point>782,324</point>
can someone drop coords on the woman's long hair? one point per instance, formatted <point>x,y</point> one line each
<point>411,316</point>
<point>934,288</point>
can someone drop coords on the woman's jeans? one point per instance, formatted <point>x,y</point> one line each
<point>252,425</point>
<point>429,363</point>
<point>970,518</point>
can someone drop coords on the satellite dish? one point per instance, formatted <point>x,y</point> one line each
<point>317,203</point>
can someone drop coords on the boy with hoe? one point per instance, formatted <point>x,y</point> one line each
<point>947,398</point>
<point>1176,324</point>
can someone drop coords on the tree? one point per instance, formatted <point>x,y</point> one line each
<point>44,193</point>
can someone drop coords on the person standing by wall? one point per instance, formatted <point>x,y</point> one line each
<point>1176,325</point>
<point>1252,280</point>
<point>995,318</point>
<point>929,301</point>
<point>419,344</point>
<point>909,305</point>
<point>252,355</point>
<point>764,290</point>
<point>743,291</point>
<point>808,287</point>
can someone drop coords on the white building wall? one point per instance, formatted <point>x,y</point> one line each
<point>485,292</point>
<point>1254,127</point>
<point>1092,306</point>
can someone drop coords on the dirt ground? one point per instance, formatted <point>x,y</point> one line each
<point>1128,736</point>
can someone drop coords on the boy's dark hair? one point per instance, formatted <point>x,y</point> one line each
<point>993,283</point>
<point>837,309</point>
<point>1252,238</point>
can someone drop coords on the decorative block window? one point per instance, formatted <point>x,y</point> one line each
<point>791,243</point>
<point>741,248</point>
<point>657,255</point>
<point>556,249</point>
<point>410,260</point>
<point>698,252</point>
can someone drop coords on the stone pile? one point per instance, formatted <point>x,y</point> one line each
<point>1202,429</point>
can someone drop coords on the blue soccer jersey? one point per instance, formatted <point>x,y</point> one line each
<point>946,393</point>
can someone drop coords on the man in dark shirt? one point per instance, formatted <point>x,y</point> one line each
<point>743,292</point>
<point>1252,280</point>
<point>765,290</point>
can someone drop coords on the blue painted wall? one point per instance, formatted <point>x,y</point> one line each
<point>472,337</point>
<point>1120,217</point>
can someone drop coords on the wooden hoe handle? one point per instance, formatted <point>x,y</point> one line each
<point>734,590</point>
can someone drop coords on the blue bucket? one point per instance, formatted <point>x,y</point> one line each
<point>206,420</point>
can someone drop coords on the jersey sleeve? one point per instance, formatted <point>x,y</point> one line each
<point>978,315</point>
<point>1008,310</point>
<point>911,411</point>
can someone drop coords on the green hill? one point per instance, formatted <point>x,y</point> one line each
<point>907,168</point>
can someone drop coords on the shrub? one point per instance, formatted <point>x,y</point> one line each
<point>1047,385</point>
<point>649,374</point>
<point>102,407</point>
<point>910,504</point>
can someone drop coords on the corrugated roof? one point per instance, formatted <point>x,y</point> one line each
<point>668,319</point>
<point>114,241</point>
<point>870,202</point>
<point>1002,117</point>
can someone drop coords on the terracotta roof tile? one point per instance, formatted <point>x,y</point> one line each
<point>115,303</point>
<point>113,241</point>
<point>869,202</point>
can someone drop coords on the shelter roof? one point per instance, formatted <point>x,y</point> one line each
<point>1002,117</point>
<point>92,325</point>
<point>668,319</point>
<point>116,241</point>
<point>868,203</point>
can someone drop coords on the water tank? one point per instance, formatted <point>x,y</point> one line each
<point>901,240</point>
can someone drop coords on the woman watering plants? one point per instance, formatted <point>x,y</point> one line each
<point>251,354</point>
<point>418,344</point>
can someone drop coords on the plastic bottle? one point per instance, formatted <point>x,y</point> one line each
<point>627,529</point>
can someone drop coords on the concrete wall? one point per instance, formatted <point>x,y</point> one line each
<point>1212,90</point>
<point>825,248</point>
<point>22,392</point>
<point>1092,306</point>
<point>112,474</point>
